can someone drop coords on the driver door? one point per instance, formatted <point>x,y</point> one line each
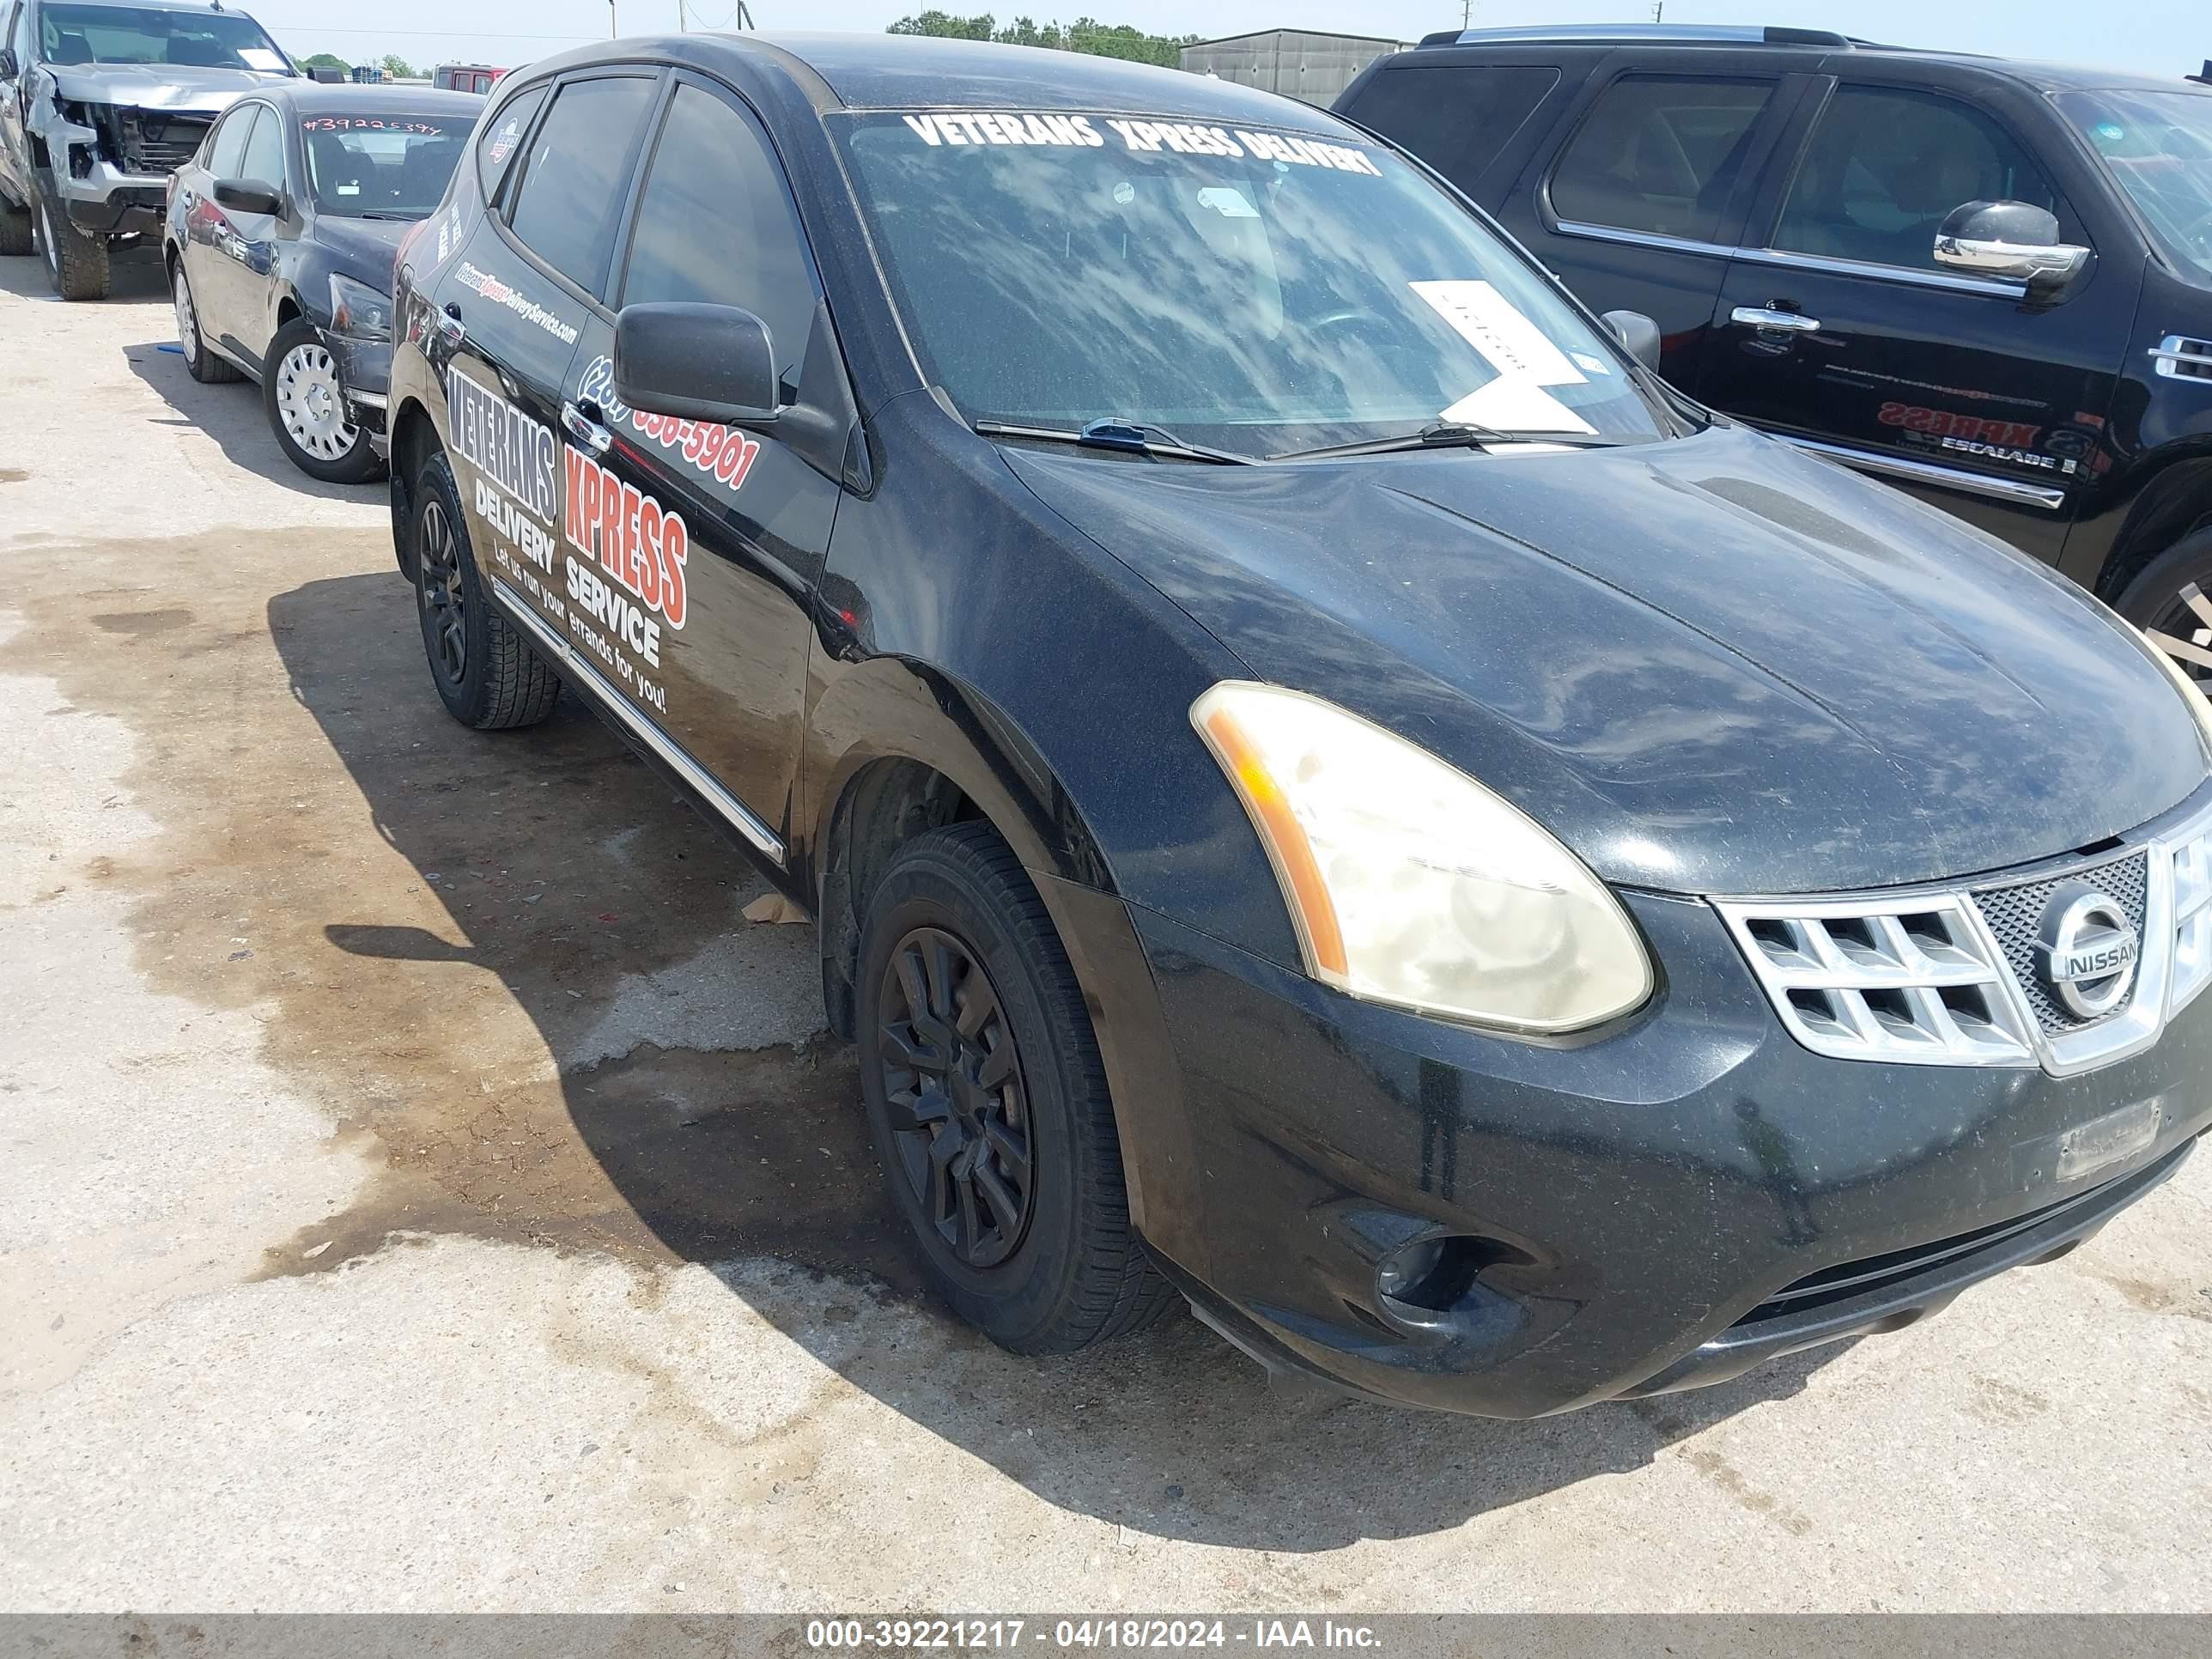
<point>1839,329</point>
<point>243,272</point>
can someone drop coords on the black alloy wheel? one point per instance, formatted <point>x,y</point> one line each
<point>486,674</point>
<point>959,1112</point>
<point>445,597</point>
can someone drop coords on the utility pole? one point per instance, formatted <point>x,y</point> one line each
<point>1466,13</point>
<point>611,30</point>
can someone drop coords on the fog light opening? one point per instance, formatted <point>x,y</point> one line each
<point>1434,1275</point>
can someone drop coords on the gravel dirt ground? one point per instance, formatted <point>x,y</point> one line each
<point>421,1190</point>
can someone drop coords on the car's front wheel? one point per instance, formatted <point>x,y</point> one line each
<point>486,674</point>
<point>201,363</point>
<point>15,233</point>
<point>306,405</point>
<point>2171,600</point>
<point>987,1101</point>
<point>76,265</point>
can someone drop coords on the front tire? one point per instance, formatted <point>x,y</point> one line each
<point>307,406</point>
<point>487,675</point>
<point>17,236</point>
<point>987,1101</point>
<point>2171,600</point>
<point>76,265</point>
<point>200,362</point>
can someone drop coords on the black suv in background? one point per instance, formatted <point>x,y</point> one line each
<point>1990,283</point>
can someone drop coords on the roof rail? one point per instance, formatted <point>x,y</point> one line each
<point>1683,33</point>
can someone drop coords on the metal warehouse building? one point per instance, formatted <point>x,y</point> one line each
<point>1313,67</point>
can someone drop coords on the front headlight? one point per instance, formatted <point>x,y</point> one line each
<point>358,311</point>
<point>2191,693</point>
<point>1411,884</point>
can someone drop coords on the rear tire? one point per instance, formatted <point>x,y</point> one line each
<point>16,236</point>
<point>486,674</point>
<point>76,265</point>
<point>987,1101</point>
<point>200,361</point>
<point>2158,601</point>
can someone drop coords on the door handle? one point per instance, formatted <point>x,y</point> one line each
<point>584,430</point>
<point>1779,322</point>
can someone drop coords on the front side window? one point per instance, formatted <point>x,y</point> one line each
<point>572,184</point>
<point>1661,154</point>
<point>2157,146</point>
<point>75,34</point>
<point>389,165</point>
<point>227,145</point>
<point>264,151</point>
<point>1260,291</point>
<point>1886,166</point>
<point>716,226</point>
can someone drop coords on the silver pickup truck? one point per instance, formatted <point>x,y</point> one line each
<point>99,100</point>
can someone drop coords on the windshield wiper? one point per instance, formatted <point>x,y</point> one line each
<point>1449,435</point>
<point>1136,437</point>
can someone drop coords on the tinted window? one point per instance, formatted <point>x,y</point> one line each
<point>1660,154</point>
<point>387,166</point>
<point>1884,169</point>
<point>572,185</point>
<point>1455,120</point>
<point>714,224</point>
<point>499,144</point>
<point>265,151</point>
<point>227,146</point>
<point>2159,146</point>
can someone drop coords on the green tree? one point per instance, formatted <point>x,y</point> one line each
<point>396,67</point>
<point>1085,35</point>
<point>326,60</point>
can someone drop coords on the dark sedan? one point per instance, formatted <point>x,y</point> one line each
<point>280,236</point>
<point>1324,786</point>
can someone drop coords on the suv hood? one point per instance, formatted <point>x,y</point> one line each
<point>1710,666</point>
<point>158,86</point>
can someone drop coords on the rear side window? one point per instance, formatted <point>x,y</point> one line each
<point>715,225</point>
<point>499,144</point>
<point>1885,168</point>
<point>1455,120</point>
<point>1660,154</point>
<point>572,185</point>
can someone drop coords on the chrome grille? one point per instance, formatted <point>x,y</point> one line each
<point>1913,980</point>
<point>1948,976</point>
<point>2016,915</point>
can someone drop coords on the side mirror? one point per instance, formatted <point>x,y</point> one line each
<point>697,361</point>
<point>1638,333</point>
<point>2011,241</point>
<point>249,195</point>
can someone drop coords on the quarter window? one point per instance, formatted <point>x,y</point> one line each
<point>1457,120</point>
<point>572,185</point>
<point>265,151</point>
<point>715,225</point>
<point>1660,154</point>
<point>500,142</point>
<point>1885,167</point>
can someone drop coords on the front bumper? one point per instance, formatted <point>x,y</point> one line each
<point>105,201</point>
<point>1659,1205</point>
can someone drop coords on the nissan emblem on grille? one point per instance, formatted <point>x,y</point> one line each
<point>2086,950</point>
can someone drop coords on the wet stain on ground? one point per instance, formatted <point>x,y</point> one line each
<point>392,888</point>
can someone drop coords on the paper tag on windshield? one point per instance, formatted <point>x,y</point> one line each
<point>1228,202</point>
<point>261,58</point>
<point>1516,406</point>
<point>1488,321</point>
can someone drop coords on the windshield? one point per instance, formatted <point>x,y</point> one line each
<point>2159,146</point>
<point>1256,291</point>
<point>393,165</point>
<point>129,35</point>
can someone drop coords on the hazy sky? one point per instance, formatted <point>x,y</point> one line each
<point>2162,37</point>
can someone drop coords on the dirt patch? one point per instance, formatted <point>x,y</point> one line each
<point>426,920</point>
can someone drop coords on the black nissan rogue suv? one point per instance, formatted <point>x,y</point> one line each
<point>1321,783</point>
<point>1989,283</point>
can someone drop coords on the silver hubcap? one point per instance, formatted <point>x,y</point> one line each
<point>311,405</point>
<point>188,327</point>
